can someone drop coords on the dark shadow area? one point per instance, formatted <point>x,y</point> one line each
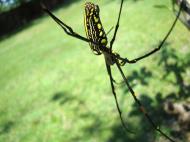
<point>63,98</point>
<point>143,131</point>
<point>172,64</point>
<point>136,0</point>
<point>6,127</point>
<point>82,111</point>
<point>20,18</point>
<point>96,125</point>
<point>57,96</point>
<point>137,77</point>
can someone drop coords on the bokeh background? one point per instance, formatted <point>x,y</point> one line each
<point>53,89</point>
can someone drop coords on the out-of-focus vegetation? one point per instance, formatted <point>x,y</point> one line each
<point>15,14</point>
<point>53,89</point>
<point>6,5</point>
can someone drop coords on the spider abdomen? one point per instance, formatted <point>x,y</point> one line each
<point>93,27</point>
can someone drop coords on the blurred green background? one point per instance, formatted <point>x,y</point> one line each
<point>53,89</point>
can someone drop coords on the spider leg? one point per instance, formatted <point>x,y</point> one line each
<point>125,60</point>
<point>113,80</point>
<point>141,107</point>
<point>109,31</point>
<point>115,97</point>
<point>68,30</point>
<point>116,27</point>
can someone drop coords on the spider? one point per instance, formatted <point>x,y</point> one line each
<point>97,39</point>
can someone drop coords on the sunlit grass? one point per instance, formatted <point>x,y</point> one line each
<point>53,89</point>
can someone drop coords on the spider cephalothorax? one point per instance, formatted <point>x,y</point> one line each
<point>93,27</point>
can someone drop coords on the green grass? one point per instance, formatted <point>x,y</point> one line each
<point>53,89</point>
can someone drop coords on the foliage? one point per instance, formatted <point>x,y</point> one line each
<point>6,5</point>
<point>53,89</point>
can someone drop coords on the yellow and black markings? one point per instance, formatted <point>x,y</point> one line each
<point>93,27</point>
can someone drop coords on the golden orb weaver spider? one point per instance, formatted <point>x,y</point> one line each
<point>97,39</point>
